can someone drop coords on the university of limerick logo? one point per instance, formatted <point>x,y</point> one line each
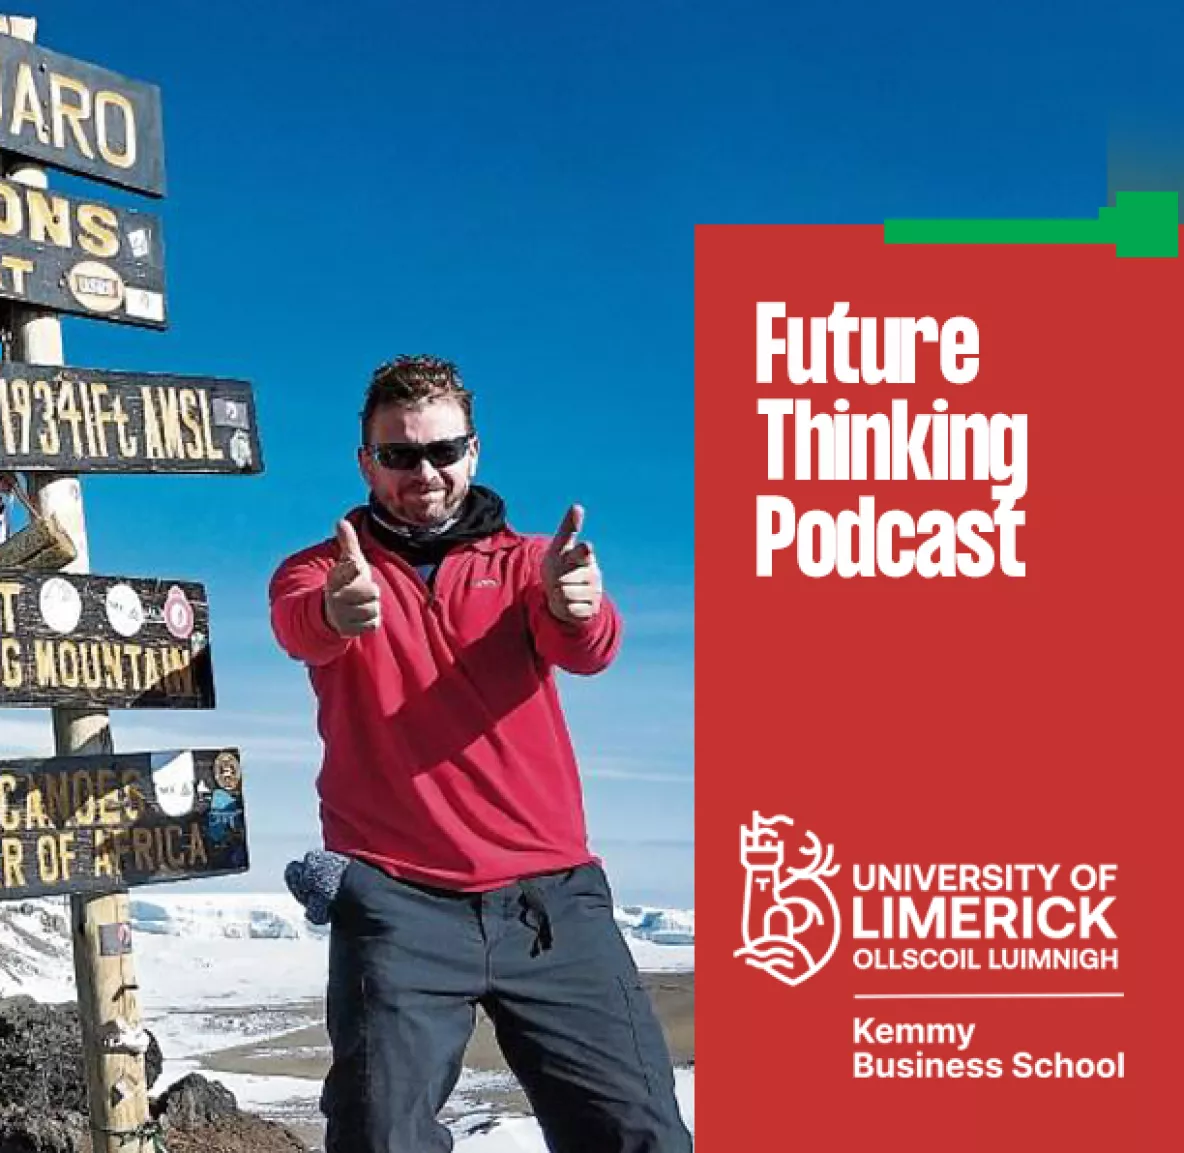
<point>791,920</point>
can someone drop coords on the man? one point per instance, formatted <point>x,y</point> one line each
<point>431,629</point>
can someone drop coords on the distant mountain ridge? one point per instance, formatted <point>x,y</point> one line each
<point>35,954</point>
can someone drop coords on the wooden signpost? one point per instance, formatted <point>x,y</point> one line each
<point>89,822</point>
<point>81,255</point>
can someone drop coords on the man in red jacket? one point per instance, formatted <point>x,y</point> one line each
<point>431,629</point>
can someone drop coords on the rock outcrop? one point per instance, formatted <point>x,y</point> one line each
<point>43,1094</point>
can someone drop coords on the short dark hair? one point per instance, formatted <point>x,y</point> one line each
<point>413,381</point>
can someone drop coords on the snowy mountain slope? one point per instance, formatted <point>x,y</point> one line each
<point>35,956</point>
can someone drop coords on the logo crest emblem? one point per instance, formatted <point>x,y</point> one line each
<point>791,923</point>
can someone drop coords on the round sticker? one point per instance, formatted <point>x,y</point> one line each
<point>95,286</point>
<point>61,606</point>
<point>240,449</point>
<point>227,772</point>
<point>178,613</point>
<point>124,610</point>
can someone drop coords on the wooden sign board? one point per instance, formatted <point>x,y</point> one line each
<point>88,420</point>
<point>75,254</point>
<point>99,823</point>
<point>80,118</point>
<point>78,640</point>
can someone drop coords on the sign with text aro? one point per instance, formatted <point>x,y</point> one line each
<point>80,118</point>
<point>89,420</point>
<point>75,640</point>
<point>75,254</point>
<point>97,823</point>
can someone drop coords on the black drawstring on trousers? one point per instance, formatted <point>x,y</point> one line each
<point>533,899</point>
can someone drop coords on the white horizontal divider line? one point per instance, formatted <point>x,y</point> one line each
<point>980,996</point>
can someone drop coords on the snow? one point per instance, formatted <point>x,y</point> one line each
<point>35,956</point>
<point>241,951</point>
<point>523,1135</point>
<point>276,1096</point>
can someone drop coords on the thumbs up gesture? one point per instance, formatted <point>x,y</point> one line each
<point>571,576</point>
<point>352,604</point>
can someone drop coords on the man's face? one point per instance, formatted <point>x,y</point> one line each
<point>425,494</point>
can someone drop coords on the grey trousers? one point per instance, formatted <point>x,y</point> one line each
<point>408,966</point>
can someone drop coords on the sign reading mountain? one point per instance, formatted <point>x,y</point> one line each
<point>78,640</point>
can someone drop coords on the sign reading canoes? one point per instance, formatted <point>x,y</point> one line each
<point>80,118</point>
<point>79,640</point>
<point>81,255</point>
<point>88,420</point>
<point>97,823</point>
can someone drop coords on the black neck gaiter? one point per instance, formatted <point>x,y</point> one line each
<point>482,514</point>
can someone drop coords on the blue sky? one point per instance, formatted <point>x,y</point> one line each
<point>515,186</point>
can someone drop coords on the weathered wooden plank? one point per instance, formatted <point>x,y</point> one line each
<point>79,640</point>
<point>97,823</point>
<point>81,255</point>
<point>80,118</point>
<point>89,420</point>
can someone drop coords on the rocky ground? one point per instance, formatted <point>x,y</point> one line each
<point>43,1094</point>
<point>43,1091</point>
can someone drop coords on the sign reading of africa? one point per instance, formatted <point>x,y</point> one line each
<point>80,640</point>
<point>95,823</point>
<point>83,119</point>
<point>88,420</point>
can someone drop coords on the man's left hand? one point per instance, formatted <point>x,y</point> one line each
<point>571,576</point>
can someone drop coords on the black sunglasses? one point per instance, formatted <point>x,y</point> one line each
<point>440,453</point>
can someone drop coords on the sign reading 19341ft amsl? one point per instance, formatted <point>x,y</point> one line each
<point>78,640</point>
<point>96,823</point>
<point>80,118</point>
<point>89,420</point>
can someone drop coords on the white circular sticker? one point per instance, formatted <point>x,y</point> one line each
<point>61,606</point>
<point>178,614</point>
<point>125,610</point>
<point>95,286</point>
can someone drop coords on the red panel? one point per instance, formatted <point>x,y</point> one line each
<point>999,720</point>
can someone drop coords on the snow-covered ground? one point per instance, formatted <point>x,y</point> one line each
<point>522,1134</point>
<point>221,969</point>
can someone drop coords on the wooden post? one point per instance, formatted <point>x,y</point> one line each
<point>108,996</point>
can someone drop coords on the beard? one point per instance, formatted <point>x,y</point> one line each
<point>435,509</point>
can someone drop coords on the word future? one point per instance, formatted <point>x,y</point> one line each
<point>893,446</point>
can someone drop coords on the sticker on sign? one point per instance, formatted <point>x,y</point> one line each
<point>96,287</point>
<point>140,242</point>
<point>144,304</point>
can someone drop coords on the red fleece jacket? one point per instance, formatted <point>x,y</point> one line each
<point>447,758</point>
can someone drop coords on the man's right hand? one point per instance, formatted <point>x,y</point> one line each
<point>352,604</point>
